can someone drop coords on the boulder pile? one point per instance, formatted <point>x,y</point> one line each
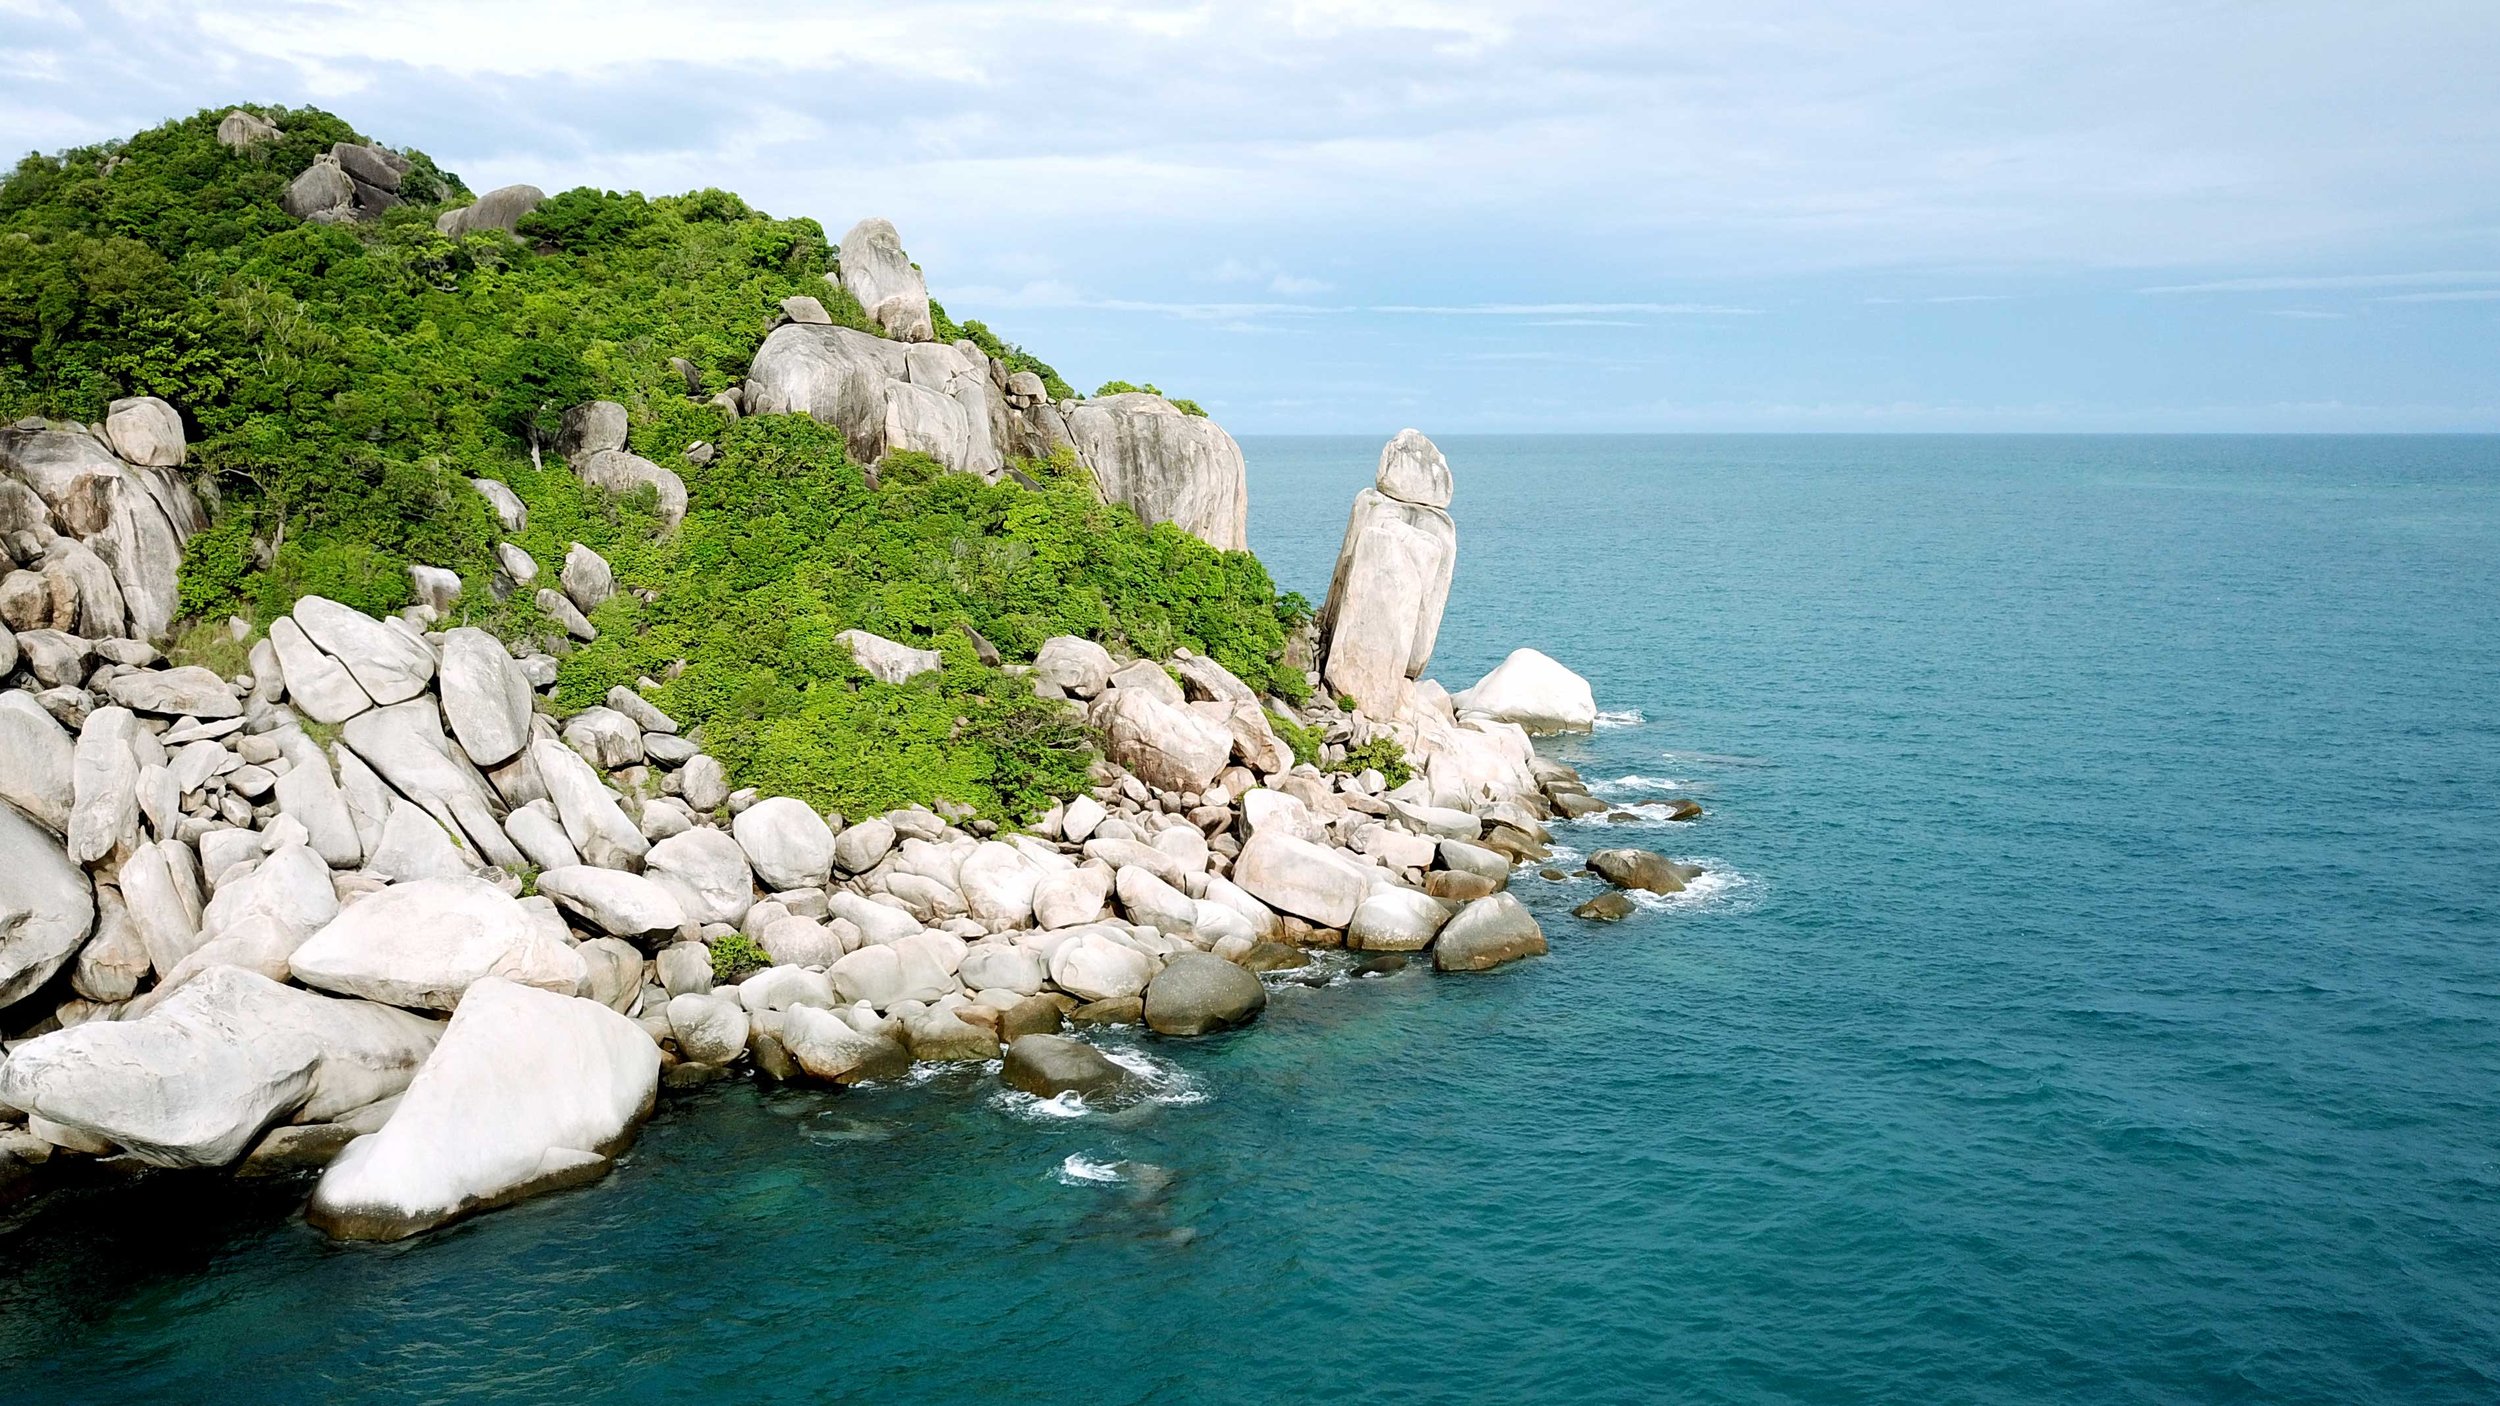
<point>242,907</point>
<point>969,411</point>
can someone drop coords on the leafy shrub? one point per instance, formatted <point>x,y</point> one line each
<point>1304,740</point>
<point>735,957</point>
<point>1383,754</point>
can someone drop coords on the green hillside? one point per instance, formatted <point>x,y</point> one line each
<point>341,383</point>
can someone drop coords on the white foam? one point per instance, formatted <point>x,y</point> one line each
<point>1080,1170</point>
<point>1637,783</point>
<point>1018,1103</point>
<point>1165,1083</point>
<point>1716,888</point>
<point>1627,717</point>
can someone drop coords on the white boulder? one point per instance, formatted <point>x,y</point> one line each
<point>422,944</point>
<point>527,1091</point>
<point>1534,691</point>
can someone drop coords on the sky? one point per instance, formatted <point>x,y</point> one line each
<point>1467,216</point>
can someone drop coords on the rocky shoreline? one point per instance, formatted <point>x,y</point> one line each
<point>373,909</point>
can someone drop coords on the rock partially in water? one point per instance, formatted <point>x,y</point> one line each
<point>1641,869</point>
<point>1197,993</point>
<point>1047,1066</point>
<point>1488,933</point>
<point>1605,908</point>
<point>528,1091</point>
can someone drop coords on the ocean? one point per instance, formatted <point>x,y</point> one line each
<point>2094,996</point>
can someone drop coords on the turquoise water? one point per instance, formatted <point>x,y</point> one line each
<point>2096,998</point>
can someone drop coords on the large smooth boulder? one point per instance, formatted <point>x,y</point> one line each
<point>707,872</point>
<point>789,845</point>
<point>1168,745</point>
<point>1165,465</point>
<point>1396,920</point>
<point>1641,869</point>
<point>390,664</point>
<point>1385,597</point>
<point>423,944</point>
<point>311,795</point>
<point>832,1049</point>
<point>321,191</point>
<point>36,761</point>
<point>1413,471</point>
<point>997,883</point>
<point>404,744</point>
<point>486,701</point>
<point>1074,665</point>
<point>1070,897</point>
<point>244,130</point>
<point>1293,875</point>
<point>144,431</point>
<point>47,906</point>
<point>186,692</point>
<point>197,1080</point>
<point>499,209</point>
<point>621,472</point>
<point>887,661</point>
<point>877,272</point>
<point>319,686</point>
<point>527,1091</point>
<point>1198,992</point>
<point>857,849</point>
<point>104,776</point>
<point>613,901</point>
<point>125,524</point>
<point>708,1029</point>
<point>1094,967</point>
<point>1534,691</point>
<point>592,427</point>
<point>593,821</point>
<point>1487,933</point>
<point>1047,1066</point>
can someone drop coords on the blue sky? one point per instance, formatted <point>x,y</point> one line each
<point>1911,215</point>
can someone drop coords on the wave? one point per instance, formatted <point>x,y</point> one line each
<point>1720,887</point>
<point>1636,784</point>
<point>1163,1085</point>
<point>1626,717</point>
<point>1077,1169</point>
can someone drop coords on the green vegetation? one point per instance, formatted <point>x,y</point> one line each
<point>340,385</point>
<point>1303,739</point>
<point>1382,753</point>
<point>736,957</point>
<point>1186,407</point>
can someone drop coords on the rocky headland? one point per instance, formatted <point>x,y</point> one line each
<point>388,908</point>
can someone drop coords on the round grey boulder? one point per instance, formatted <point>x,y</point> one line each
<point>1047,1066</point>
<point>1197,993</point>
<point>1488,933</point>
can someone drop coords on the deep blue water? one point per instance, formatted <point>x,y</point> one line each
<point>2097,998</point>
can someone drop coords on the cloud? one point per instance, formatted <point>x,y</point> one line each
<point>2461,295</point>
<point>2322,283</point>
<point>2305,313</point>
<point>1370,183</point>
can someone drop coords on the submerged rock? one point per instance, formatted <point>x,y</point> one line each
<point>528,1091</point>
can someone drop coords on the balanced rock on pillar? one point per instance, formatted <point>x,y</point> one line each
<point>1392,579</point>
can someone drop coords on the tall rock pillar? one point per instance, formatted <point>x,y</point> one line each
<point>1392,579</point>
